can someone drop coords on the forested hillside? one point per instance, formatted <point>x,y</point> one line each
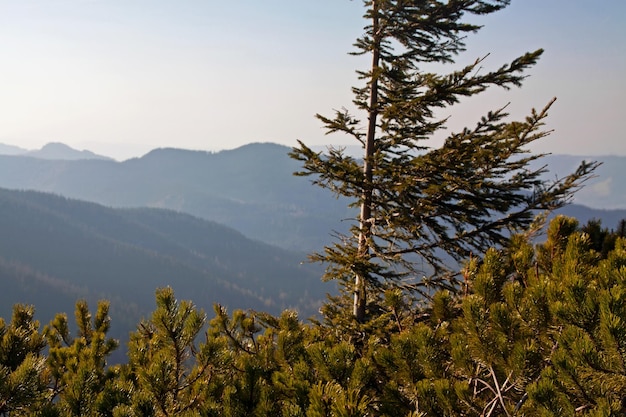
<point>250,189</point>
<point>56,250</point>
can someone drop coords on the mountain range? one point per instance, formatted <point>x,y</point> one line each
<point>231,227</point>
<point>56,250</point>
<point>52,150</point>
<point>251,189</point>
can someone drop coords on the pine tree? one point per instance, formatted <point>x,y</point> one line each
<point>78,365</point>
<point>169,374</point>
<point>267,371</point>
<point>587,301</point>
<point>539,330</point>
<point>23,377</point>
<point>416,202</point>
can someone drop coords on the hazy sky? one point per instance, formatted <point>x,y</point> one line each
<point>121,77</point>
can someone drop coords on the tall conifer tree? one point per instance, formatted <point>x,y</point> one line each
<point>419,202</point>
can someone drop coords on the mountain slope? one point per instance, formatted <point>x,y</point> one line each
<point>250,189</point>
<point>56,150</point>
<point>11,150</point>
<point>52,150</point>
<point>55,250</point>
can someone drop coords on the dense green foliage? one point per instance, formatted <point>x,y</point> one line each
<point>536,330</point>
<point>415,199</point>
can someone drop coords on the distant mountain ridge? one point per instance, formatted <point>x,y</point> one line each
<point>11,150</point>
<point>59,249</point>
<point>606,191</point>
<point>56,250</point>
<point>52,150</point>
<point>60,151</point>
<point>250,189</point>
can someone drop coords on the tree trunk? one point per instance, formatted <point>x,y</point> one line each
<point>365,222</point>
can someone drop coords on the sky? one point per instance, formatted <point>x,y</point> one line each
<point>122,77</point>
